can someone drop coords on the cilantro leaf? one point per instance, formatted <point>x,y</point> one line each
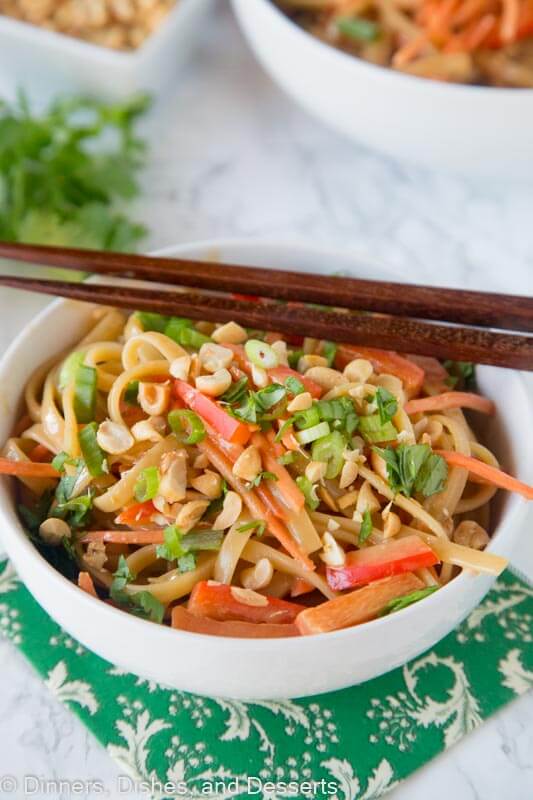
<point>148,606</point>
<point>263,476</point>
<point>121,577</point>
<point>414,468</point>
<point>462,373</point>
<point>309,492</point>
<point>142,604</point>
<point>387,404</point>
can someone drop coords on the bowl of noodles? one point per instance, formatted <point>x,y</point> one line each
<point>232,513</point>
<point>443,84</point>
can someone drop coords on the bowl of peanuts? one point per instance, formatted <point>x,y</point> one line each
<point>105,48</point>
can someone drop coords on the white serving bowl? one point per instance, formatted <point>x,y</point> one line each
<point>473,130</point>
<point>46,64</point>
<point>240,668</point>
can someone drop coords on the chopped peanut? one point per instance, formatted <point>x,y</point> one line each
<point>248,464</point>
<point>118,24</point>
<point>214,385</point>
<point>470,534</point>
<point>54,530</point>
<point>230,333</point>
<point>301,402</point>
<point>332,553</point>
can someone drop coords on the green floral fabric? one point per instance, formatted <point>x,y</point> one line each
<point>354,744</point>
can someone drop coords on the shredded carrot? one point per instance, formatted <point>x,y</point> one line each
<point>85,582</point>
<point>27,469</point>
<point>254,504</point>
<point>487,473</point>
<point>290,492</point>
<point>440,402</point>
<point>125,537</point>
<point>271,502</point>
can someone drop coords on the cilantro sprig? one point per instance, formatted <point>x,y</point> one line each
<point>414,468</point>
<point>63,172</point>
<point>142,604</point>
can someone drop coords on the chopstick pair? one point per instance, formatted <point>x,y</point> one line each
<point>402,328</point>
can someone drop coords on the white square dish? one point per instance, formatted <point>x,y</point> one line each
<point>44,63</point>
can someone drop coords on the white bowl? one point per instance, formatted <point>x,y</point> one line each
<point>240,668</point>
<point>469,129</point>
<point>46,64</point>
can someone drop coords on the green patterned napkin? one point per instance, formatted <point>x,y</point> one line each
<point>353,744</point>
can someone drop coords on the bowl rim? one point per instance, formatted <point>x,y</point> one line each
<point>172,634</point>
<point>415,82</point>
<point>67,43</point>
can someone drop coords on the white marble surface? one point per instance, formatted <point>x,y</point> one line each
<point>231,156</point>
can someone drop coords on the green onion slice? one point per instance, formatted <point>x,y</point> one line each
<point>147,485</point>
<point>373,430</point>
<point>261,354</point>
<point>308,418</point>
<point>311,434</point>
<point>70,368</point>
<point>358,28</point>
<point>204,540</point>
<point>85,393</point>
<point>329,449</point>
<point>92,453</point>
<point>183,420</point>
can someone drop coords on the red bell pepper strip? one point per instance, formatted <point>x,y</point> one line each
<point>356,607</point>
<point>185,621</point>
<point>222,602</point>
<point>136,514</point>
<point>381,561</point>
<point>227,426</point>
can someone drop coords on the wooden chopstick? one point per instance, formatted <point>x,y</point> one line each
<point>411,336</point>
<point>509,312</point>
